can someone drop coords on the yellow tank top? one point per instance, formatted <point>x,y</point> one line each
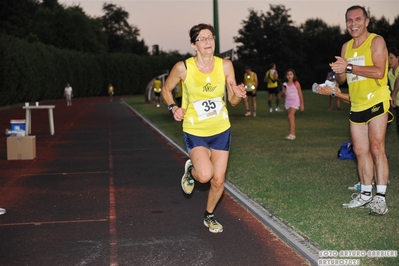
<point>157,85</point>
<point>271,83</point>
<point>203,98</point>
<point>365,92</point>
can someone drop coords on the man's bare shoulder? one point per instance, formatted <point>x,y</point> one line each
<point>378,40</point>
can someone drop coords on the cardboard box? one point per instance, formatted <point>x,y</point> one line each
<point>21,148</point>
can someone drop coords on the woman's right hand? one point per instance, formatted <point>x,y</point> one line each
<point>178,115</point>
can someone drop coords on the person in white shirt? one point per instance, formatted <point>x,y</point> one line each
<point>68,92</point>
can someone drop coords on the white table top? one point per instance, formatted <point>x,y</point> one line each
<point>38,107</point>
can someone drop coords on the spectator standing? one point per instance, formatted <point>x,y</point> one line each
<point>363,64</point>
<point>293,100</point>
<point>68,93</point>
<point>393,77</point>
<point>271,79</point>
<point>251,86</point>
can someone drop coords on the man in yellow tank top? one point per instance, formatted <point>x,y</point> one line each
<point>206,124</point>
<point>251,85</point>
<point>271,79</point>
<point>363,64</point>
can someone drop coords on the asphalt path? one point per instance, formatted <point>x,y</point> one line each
<point>105,190</point>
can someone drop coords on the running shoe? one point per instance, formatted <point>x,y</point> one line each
<point>2,211</point>
<point>213,224</point>
<point>378,206</point>
<point>356,186</point>
<point>290,137</point>
<point>187,181</point>
<point>253,114</point>
<point>356,202</point>
<point>247,113</point>
<point>278,109</point>
<point>270,109</point>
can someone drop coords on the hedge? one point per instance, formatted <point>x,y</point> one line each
<point>34,71</point>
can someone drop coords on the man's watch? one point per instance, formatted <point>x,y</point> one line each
<point>333,92</point>
<point>170,107</point>
<point>349,68</point>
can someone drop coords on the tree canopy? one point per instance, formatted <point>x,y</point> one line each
<point>122,37</point>
<point>71,28</point>
<point>271,37</point>
<point>265,37</point>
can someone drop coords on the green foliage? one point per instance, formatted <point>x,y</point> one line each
<point>70,28</point>
<point>323,43</point>
<point>34,72</point>
<point>260,46</point>
<point>122,37</point>
<point>15,15</point>
<point>392,39</point>
<point>271,37</point>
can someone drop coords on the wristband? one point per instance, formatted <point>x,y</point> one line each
<point>170,107</point>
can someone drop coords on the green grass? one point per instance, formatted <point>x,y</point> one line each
<point>302,181</point>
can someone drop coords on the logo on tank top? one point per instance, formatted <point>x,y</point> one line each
<point>208,87</point>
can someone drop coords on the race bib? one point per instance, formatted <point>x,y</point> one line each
<point>359,61</point>
<point>208,108</point>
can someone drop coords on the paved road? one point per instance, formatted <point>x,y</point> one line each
<point>105,190</point>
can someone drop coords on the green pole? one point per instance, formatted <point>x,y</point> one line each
<point>216,25</point>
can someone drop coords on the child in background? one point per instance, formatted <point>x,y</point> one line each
<point>293,100</point>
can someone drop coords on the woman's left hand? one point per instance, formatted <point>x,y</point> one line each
<point>239,90</point>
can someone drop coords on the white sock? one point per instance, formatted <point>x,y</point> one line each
<point>381,190</point>
<point>366,191</point>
